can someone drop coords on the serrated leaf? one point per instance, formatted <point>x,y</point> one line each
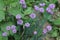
<point>2,15</point>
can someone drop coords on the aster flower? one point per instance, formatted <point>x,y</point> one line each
<point>8,28</point>
<point>35,32</point>
<point>13,27</point>
<point>14,31</point>
<point>27,24</point>
<point>20,22</point>
<point>18,16</point>
<point>49,27</point>
<point>41,10</point>
<point>33,15</point>
<point>44,31</point>
<point>4,34</point>
<point>52,6</point>
<point>42,4</point>
<point>36,8</point>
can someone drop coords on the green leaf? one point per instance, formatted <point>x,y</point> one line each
<point>53,1</point>
<point>47,15</point>
<point>5,38</point>
<point>0,35</point>
<point>57,21</point>
<point>2,15</point>
<point>15,11</point>
<point>28,11</point>
<point>54,34</point>
<point>1,5</point>
<point>17,37</point>
<point>4,25</point>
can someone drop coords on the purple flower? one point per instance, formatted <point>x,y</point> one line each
<point>4,34</point>
<point>41,10</point>
<point>49,27</point>
<point>52,6</point>
<point>18,16</point>
<point>13,27</point>
<point>14,31</point>
<point>35,32</point>
<point>42,4</point>
<point>36,8</point>
<point>33,15</point>
<point>24,5</point>
<point>8,28</point>
<point>44,31</point>
<point>20,22</point>
<point>27,24</point>
<point>48,10</point>
<point>22,1</point>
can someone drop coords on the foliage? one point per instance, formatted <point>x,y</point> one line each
<point>9,10</point>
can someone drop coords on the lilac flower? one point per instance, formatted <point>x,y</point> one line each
<point>49,27</point>
<point>8,28</point>
<point>35,32</point>
<point>22,1</point>
<point>24,5</point>
<point>36,8</point>
<point>44,31</point>
<point>27,24</point>
<point>48,10</point>
<point>42,4</point>
<point>51,12</point>
<point>14,31</point>
<point>52,6</point>
<point>41,10</point>
<point>20,22</point>
<point>33,15</point>
<point>18,16</point>
<point>13,27</point>
<point>4,34</point>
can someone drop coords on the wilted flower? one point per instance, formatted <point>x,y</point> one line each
<point>41,10</point>
<point>52,6</point>
<point>8,28</point>
<point>27,24</point>
<point>33,15</point>
<point>13,27</point>
<point>42,4</point>
<point>35,32</point>
<point>4,34</point>
<point>18,16</point>
<point>36,8</point>
<point>49,27</point>
<point>14,31</point>
<point>20,22</point>
<point>44,31</point>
